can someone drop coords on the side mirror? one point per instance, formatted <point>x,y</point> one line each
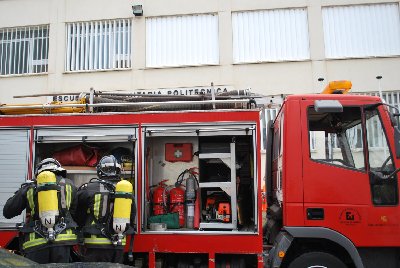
<point>397,141</point>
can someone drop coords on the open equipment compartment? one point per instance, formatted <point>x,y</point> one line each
<point>79,149</point>
<point>200,174</point>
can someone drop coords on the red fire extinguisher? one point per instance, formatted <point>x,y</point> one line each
<point>160,198</point>
<point>177,203</point>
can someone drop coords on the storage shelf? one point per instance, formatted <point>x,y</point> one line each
<point>228,186</point>
<point>89,170</point>
<point>215,184</point>
<point>217,225</point>
<point>214,155</point>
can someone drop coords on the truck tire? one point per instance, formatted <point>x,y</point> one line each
<point>317,260</point>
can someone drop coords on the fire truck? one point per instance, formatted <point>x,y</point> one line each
<point>198,171</point>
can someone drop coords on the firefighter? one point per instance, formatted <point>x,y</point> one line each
<point>107,213</point>
<point>48,234</point>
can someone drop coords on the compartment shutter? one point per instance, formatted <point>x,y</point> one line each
<point>14,154</point>
<point>86,134</point>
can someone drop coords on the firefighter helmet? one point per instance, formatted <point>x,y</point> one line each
<point>50,164</point>
<point>108,168</point>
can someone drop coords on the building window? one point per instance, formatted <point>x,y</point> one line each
<point>270,35</point>
<point>98,45</point>
<point>182,41</point>
<point>24,50</point>
<point>361,31</point>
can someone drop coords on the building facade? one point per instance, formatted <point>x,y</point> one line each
<point>271,47</point>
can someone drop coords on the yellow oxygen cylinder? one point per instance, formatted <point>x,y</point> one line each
<point>47,201</point>
<point>122,208</point>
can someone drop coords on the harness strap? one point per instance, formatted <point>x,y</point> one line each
<point>48,186</point>
<point>130,252</point>
<point>105,205</point>
<point>125,195</point>
<point>62,194</point>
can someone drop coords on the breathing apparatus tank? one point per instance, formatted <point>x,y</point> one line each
<point>47,201</point>
<point>122,208</point>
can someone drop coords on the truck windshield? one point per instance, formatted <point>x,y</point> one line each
<point>336,138</point>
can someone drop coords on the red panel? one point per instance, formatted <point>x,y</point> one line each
<point>121,119</point>
<point>294,215</point>
<point>6,237</point>
<point>198,243</point>
<point>178,152</point>
<point>292,165</point>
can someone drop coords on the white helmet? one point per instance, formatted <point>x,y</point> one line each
<point>50,164</point>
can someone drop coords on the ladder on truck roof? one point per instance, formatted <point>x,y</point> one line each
<point>97,102</point>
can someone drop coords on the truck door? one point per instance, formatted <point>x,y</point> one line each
<point>343,171</point>
<point>383,215</point>
<point>14,155</point>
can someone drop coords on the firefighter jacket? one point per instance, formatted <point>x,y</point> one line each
<point>27,198</point>
<point>95,216</point>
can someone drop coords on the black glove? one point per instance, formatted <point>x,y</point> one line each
<point>25,187</point>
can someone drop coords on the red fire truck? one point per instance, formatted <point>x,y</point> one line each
<point>331,177</point>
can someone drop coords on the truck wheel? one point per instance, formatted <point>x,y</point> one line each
<point>317,260</point>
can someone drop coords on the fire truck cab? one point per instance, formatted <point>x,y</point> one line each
<point>332,183</point>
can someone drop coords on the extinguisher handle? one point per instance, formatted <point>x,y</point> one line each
<point>160,183</point>
<point>192,170</point>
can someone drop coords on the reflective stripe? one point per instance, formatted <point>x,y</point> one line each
<point>101,241</point>
<point>98,240</point>
<point>96,206</point>
<point>69,190</point>
<point>31,202</point>
<point>39,241</point>
<point>65,237</point>
<point>33,243</point>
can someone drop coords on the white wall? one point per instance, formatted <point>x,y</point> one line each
<point>269,78</point>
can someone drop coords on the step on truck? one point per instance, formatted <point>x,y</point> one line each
<point>330,171</point>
